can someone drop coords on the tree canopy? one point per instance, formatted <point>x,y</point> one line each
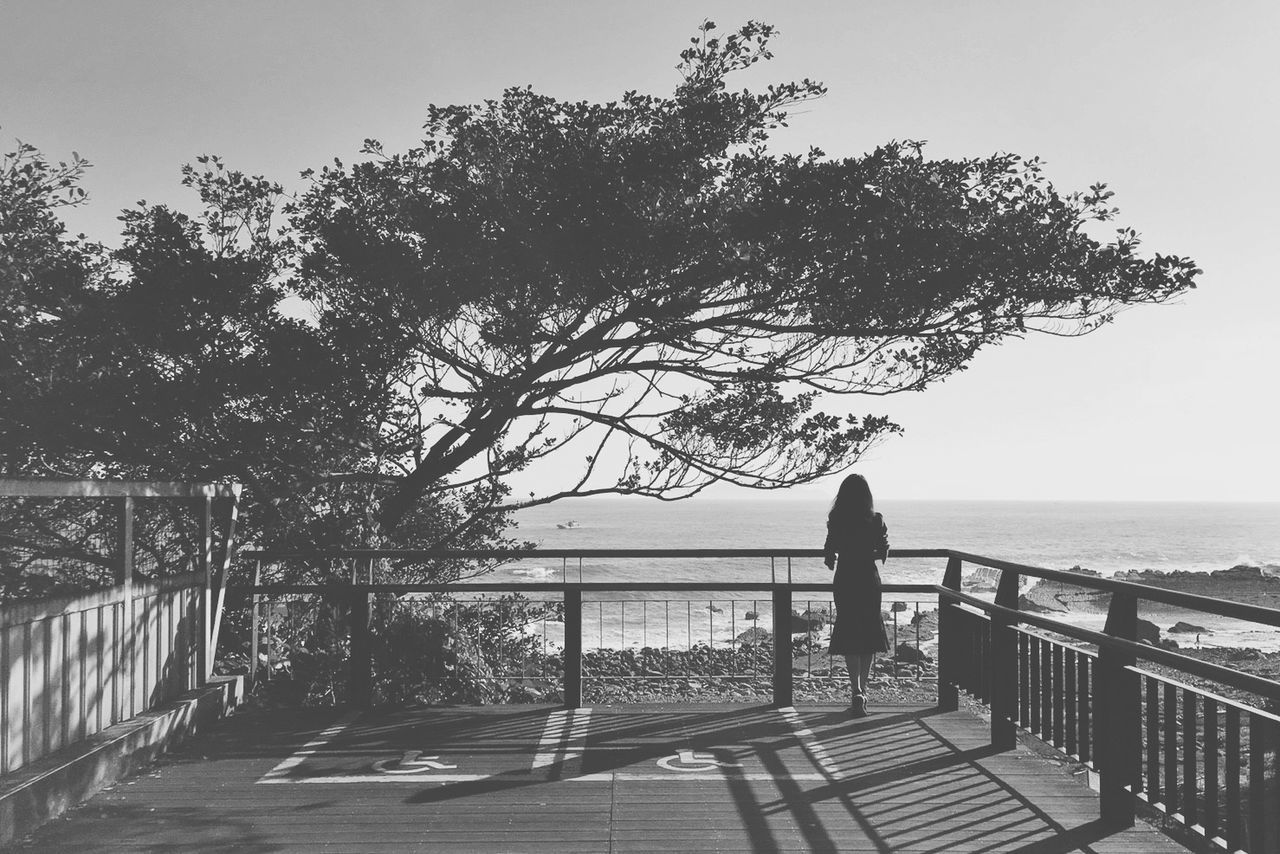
<point>639,291</point>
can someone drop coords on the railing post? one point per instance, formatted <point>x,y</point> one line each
<point>1004,664</point>
<point>360,680</point>
<point>782,684</point>
<point>948,640</point>
<point>126,690</point>
<point>204,655</point>
<point>255,604</point>
<point>572,647</point>
<point>1119,715</point>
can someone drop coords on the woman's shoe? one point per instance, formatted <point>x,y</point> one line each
<point>858,707</point>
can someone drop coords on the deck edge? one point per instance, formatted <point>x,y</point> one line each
<point>46,789</point>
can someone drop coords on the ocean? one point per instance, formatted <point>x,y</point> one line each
<point>1108,537</point>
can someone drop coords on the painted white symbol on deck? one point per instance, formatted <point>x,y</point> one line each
<point>688,760</point>
<point>410,763</point>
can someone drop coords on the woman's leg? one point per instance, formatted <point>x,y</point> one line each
<point>864,671</point>
<point>854,664</point>
<point>859,667</point>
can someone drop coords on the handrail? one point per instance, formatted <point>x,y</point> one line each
<point>517,554</point>
<point>1245,681</point>
<point>1227,676</point>
<point>1191,601</point>
<point>1224,702</point>
<point>560,586</point>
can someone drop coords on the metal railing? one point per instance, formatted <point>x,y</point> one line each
<point>350,575</point>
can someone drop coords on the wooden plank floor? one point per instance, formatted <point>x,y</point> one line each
<point>630,779</point>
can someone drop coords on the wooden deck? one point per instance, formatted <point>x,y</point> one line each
<point>629,779</point>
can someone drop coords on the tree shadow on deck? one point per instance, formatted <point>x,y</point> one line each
<point>146,830</point>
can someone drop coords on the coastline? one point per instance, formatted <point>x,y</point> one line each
<point>1184,628</point>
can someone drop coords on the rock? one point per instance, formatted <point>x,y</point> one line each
<point>927,623</point>
<point>751,615</point>
<point>908,654</point>
<point>809,621</point>
<point>983,579</point>
<point>818,617</point>
<point>1047,595</point>
<point>899,607</point>
<point>1253,584</point>
<point>754,635</point>
<point>1243,653</point>
<point>1188,628</point>
<point>1148,632</point>
<point>1030,605</point>
<point>1080,570</point>
<point>815,663</point>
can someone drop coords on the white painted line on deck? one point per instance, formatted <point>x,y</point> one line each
<point>810,742</point>
<point>623,776</point>
<point>554,736</point>
<point>279,774</point>
<point>564,740</point>
<point>392,778</point>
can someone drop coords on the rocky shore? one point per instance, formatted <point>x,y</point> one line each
<point>744,673</point>
<point>1252,584</point>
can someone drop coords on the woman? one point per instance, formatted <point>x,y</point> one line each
<point>856,538</point>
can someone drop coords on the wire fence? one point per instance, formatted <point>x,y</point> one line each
<point>437,647</point>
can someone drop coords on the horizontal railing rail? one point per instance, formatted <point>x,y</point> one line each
<point>1262,686</point>
<point>558,586</point>
<point>515,554</point>
<point>1190,601</point>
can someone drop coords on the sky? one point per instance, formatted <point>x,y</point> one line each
<point>1171,103</point>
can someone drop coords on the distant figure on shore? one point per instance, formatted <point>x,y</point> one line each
<point>856,538</point>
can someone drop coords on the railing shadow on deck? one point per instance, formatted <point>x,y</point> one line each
<point>1197,757</point>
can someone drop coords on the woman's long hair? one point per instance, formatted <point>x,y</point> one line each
<point>853,501</point>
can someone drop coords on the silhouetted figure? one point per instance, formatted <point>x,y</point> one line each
<point>856,538</point>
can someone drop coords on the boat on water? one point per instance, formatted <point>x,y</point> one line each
<point>572,523</point>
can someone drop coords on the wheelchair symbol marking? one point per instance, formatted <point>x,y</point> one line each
<point>689,760</point>
<point>412,762</point>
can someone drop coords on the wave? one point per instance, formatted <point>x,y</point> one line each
<point>535,571</point>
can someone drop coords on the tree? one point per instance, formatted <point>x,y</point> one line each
<point>170,359</point>
<point>644,274</point>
